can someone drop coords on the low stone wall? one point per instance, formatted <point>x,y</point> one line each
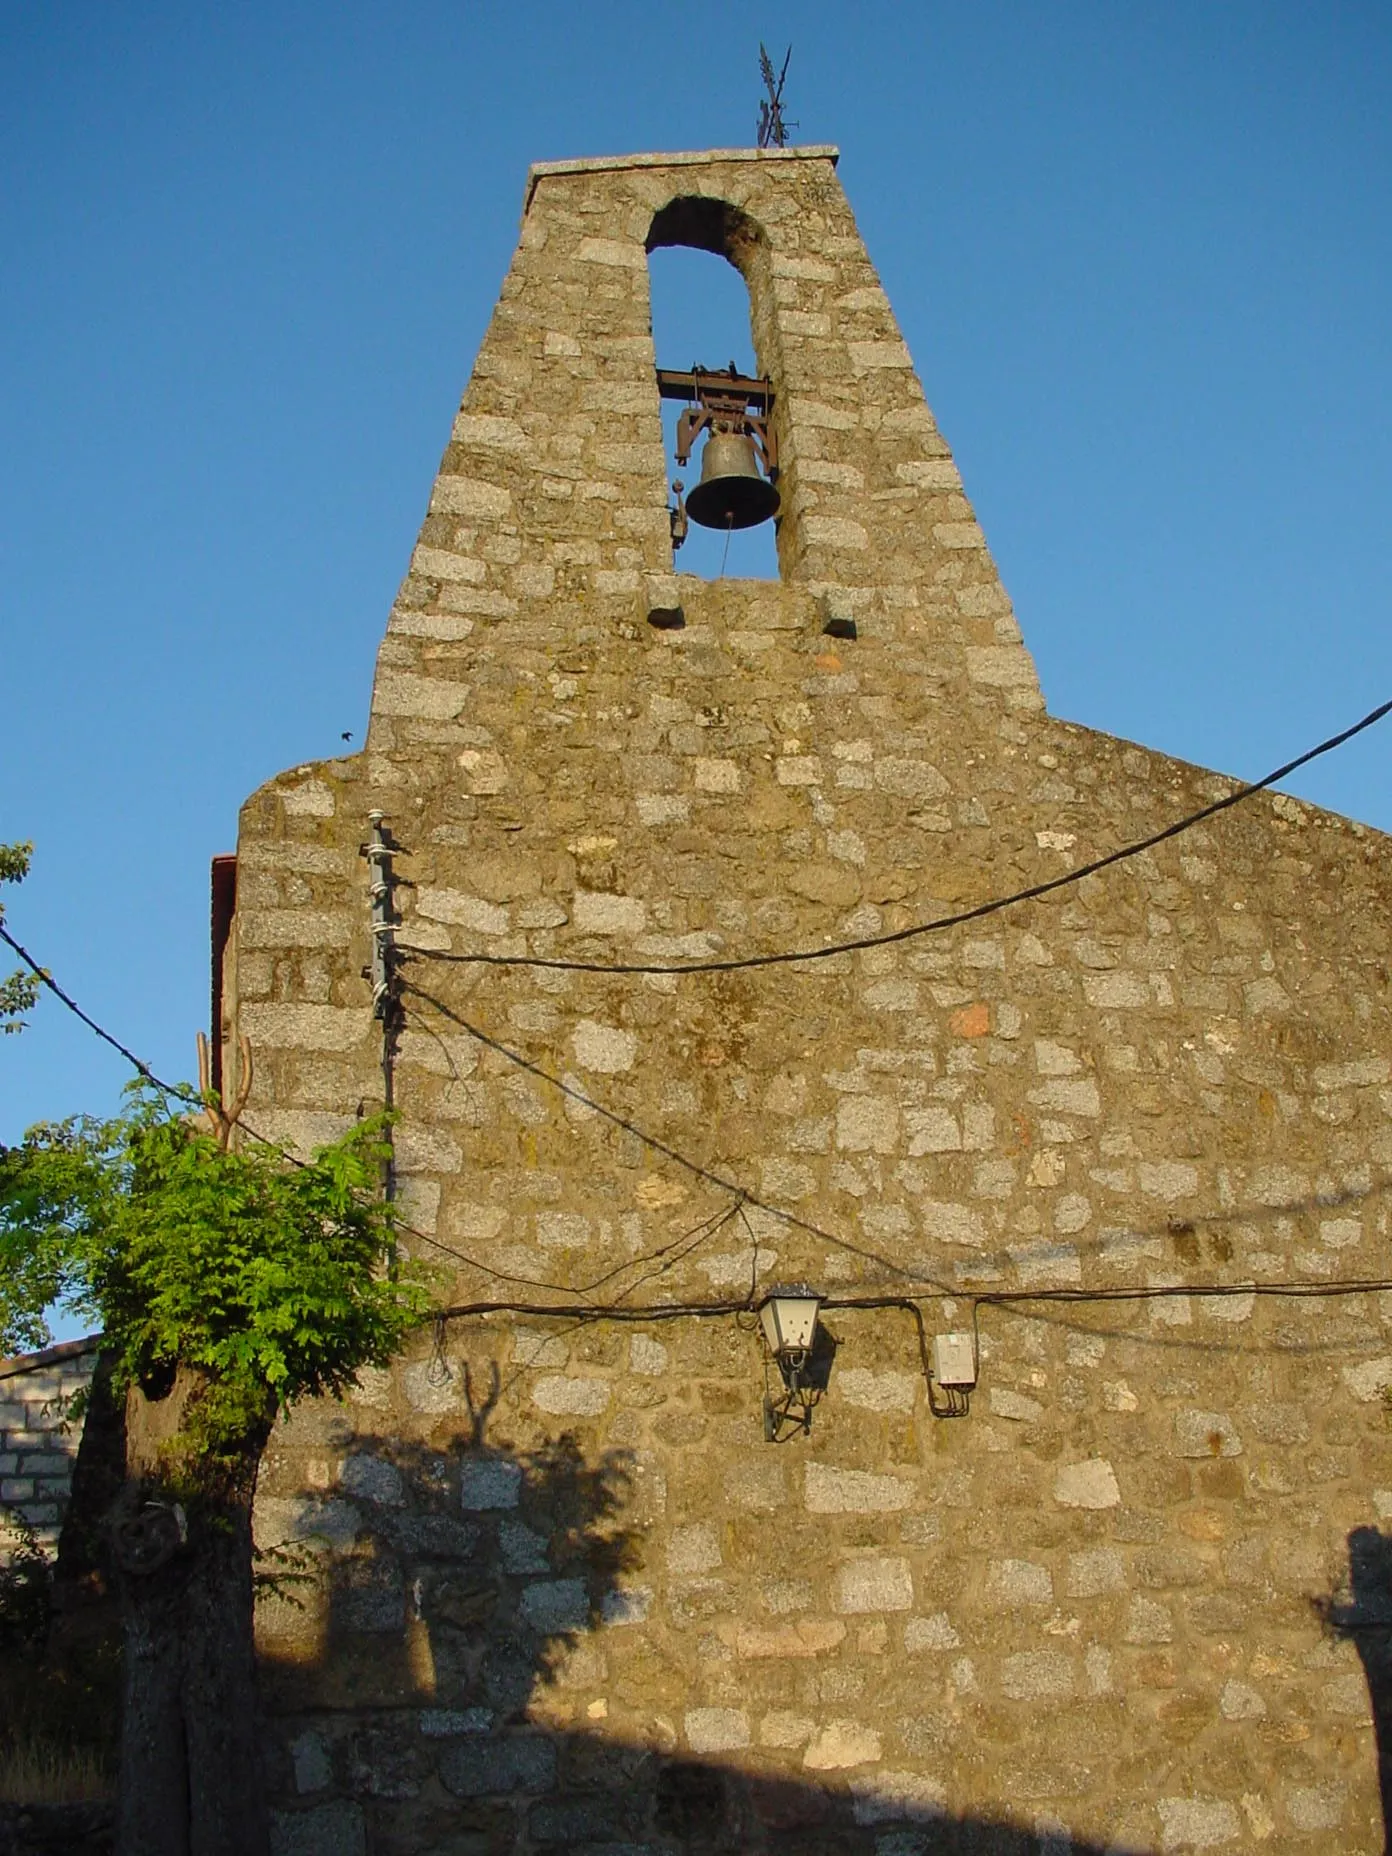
<point>39,1437</point>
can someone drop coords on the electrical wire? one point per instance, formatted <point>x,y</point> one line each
<point>664,1258</point>
<point>694,1167</point>
<point>741,1196</point>
<point>1135,1292</point>
<point>181,1091</point>
<point>686,1242</point>
<point>1001,1298</point>
<point>951,1403</point>
<point>945,1401</point>
<point>699,1233</point>
<point>589,1312</point>
<point>1149,1292</point>
<point>940,923</point>
<point>426,1237</point>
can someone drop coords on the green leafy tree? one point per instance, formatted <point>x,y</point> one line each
<point>19,992</point>
<point>229,1285</point>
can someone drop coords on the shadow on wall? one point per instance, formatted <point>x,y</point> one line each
<point>1364,1617</point>
<point>436,1682</point>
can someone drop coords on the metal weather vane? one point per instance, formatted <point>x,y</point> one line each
<point>773,130</point>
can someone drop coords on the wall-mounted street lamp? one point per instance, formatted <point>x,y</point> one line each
<point>788,1317</point>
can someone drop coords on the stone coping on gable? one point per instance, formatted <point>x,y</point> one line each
<point>599,164</point>
<point>50,1356</point>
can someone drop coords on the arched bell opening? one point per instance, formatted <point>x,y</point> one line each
<point>718,404</point>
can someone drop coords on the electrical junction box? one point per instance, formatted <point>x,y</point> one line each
<point>954,1360</point>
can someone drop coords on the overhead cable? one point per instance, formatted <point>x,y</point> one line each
<point>794,956</point>
<point>183,1093</point>
<point>739,1194</point>
<point>994,1298</point>
<point>45,978</point>
<point>626,1311</point>
<point>651,1141</point>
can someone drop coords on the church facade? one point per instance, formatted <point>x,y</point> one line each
<point>1068,1531</point>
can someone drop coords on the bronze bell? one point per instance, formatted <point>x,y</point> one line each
<point>732,493</point>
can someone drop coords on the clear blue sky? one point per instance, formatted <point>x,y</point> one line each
<point>1141,254</point>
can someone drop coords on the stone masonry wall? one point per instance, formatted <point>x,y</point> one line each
<point>39,1437</point>
<point>554,1589</point>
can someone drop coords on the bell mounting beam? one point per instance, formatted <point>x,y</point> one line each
<point>697,382</point>
<point>723,402</point>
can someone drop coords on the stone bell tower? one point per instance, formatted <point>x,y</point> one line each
<point>552,506</point>
<point>564,1593</point>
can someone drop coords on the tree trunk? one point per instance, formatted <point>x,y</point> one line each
<point>227,1799</point>
<point>191,1781</point>
<point>153,1797</point>
<point>84,1637</point>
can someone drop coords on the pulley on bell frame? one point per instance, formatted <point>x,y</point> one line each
<point>733,411</point>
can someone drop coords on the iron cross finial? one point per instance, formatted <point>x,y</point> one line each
<point>773,130</point>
